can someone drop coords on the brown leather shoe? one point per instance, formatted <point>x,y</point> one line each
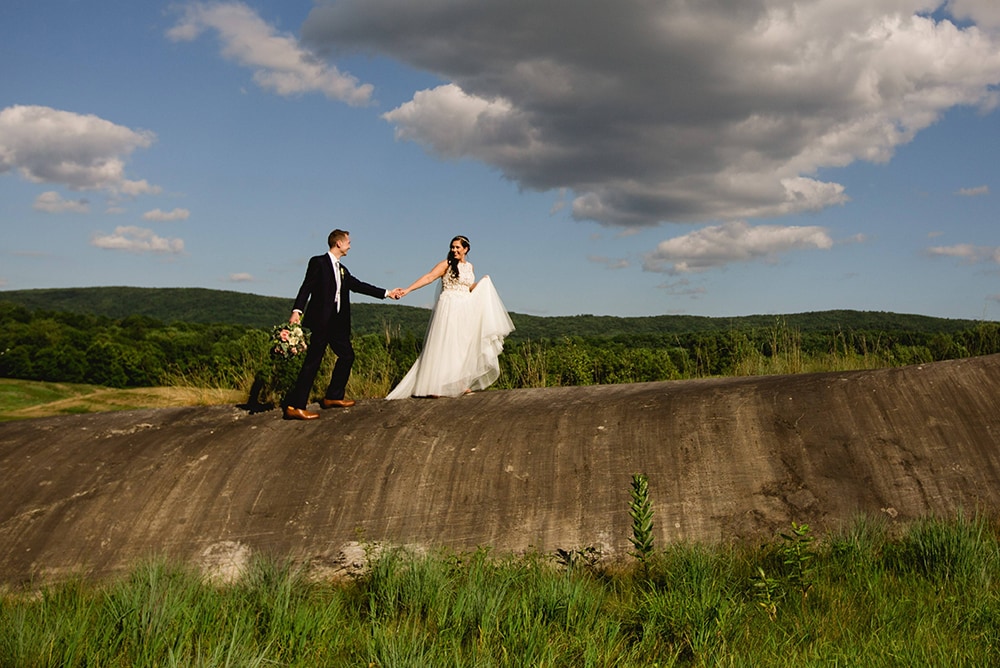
<point>292,413</point>
<point>337,403</point>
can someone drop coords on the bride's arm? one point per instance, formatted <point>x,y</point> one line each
<point>431,276</point>
<point>473,286</point>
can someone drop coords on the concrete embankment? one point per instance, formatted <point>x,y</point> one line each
<point>536,469</point>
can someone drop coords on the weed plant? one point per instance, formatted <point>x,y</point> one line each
<point>641,512</point>
<point>878,595</point>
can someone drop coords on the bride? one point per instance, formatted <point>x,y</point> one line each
<point>465,335</point>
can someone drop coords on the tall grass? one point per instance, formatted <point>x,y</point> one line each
<point>382,360</point>
<point>780,350</point>
<point>877,596</point>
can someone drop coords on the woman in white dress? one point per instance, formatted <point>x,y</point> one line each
<point>465,335</point>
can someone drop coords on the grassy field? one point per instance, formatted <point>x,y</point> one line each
<point>24,399</point>
<point>873,595</point>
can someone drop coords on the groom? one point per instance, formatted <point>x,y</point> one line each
<point>327,287</point>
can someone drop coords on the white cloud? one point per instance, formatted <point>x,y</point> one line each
<point>674,111</point>
<point>241,277</point>
<point>52,202</point>
<point>560,203</point>
<point>456,124</point>
<point>137,240</point>
<point>970,253</point>
<point>983,12</point>
<point>683,288</point>
<point>82,152</point>
<point>719,245</point>
<point>280,64</point>
<point>609,262</point>
<point>158,215</point>
<point>974,192</point>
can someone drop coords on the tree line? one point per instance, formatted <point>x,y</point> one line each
<point>201,305</point>
<point>142,351</point>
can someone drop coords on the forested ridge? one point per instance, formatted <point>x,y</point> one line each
<point>202,305</point>
<point>133,337</point>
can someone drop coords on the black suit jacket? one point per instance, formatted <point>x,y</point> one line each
<point>319,288</point>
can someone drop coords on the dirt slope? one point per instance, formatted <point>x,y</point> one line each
<point>516,470</point>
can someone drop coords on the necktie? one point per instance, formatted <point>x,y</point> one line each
<point>336,274</point>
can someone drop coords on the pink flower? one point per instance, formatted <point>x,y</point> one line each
<point>285,334</point>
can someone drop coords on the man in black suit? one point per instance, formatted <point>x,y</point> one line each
<point>327,288</point>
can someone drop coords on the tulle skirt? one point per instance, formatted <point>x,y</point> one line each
<point>462,347</point>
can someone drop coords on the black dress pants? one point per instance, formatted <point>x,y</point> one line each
<point>338,337</point>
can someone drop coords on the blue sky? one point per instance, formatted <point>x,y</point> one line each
<point>615,158</point>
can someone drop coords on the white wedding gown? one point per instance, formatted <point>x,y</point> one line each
<point>464,340</point>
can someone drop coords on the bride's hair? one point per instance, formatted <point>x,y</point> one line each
<point>452,260</point>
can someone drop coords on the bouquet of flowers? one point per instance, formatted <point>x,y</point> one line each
<point>287,341</point>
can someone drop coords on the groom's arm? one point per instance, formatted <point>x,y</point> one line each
<point>307,288</point>
<point>361,287</point>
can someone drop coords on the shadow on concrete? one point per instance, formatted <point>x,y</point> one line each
<point>540,469</point>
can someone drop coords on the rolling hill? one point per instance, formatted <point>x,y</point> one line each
<point>203,305</point>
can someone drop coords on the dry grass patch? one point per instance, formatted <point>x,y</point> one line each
<point>20,400</point>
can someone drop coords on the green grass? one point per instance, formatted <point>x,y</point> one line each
<point>25,399</point>
<point>17,394</point>
<point>925,595</point>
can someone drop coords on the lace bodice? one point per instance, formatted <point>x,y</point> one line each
<point>466,278</point>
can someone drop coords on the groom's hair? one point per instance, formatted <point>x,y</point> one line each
<point>336,236</point>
